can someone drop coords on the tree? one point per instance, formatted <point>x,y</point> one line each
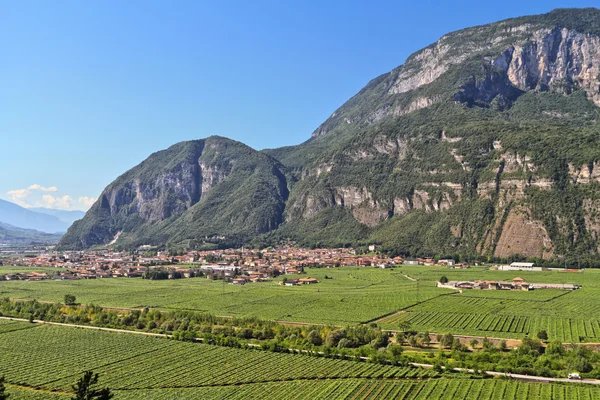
<point>555,348</point>
<point>405,326</point>
<point>413,340</point>
<point>502,345</point>
<point>314,338</point>
<point>473,342</point>
<point>70,299</point>
<point>395,350</point>
<point>400,336</point>
<point>426,340</point>
<point>443,279</point>
<point>3,394</point>
<point>84,388</point>
<point>447,340</point>
<point>542,335</point>
<point>487,344</point>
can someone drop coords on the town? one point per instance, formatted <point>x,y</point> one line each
<point>235,265</point>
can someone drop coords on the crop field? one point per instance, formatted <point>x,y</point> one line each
<point>359,295</point>
<point>353,295</point>
<point>568,316</point>
<point>141,367</point>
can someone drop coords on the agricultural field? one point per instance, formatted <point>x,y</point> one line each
<point>568,316</point>
<point>359,295</point>
<point>141,367</point>
<point>354,295</point>
<point>14,269</point>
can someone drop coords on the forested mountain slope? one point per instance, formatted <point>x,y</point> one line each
<point>485,142</point>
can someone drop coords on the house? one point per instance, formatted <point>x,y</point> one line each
<point>307,281</point>
<point>448,262</point>
<point>502,285</point>
<point>238,281</point>
<point>411,262</point>
<point>464,285</point>
<point>291,282</point>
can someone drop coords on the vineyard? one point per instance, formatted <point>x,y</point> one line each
<point>569,316</point>
<point>141,367</point>
<point>63,353</point>
<point>354,295</point>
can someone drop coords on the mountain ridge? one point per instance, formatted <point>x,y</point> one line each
<point>481,144</point>
<point>13,214</point>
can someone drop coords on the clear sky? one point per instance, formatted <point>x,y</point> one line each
<point>88,89</point>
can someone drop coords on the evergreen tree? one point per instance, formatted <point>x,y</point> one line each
<point>3,394</point>
<point>84,388</point>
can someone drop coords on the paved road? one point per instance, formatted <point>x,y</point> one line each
<point>519,376</point>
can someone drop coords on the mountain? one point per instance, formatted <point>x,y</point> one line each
<point>18,216</point>
<point>66,216</point>
<point>484,143</point>
<point>11,236</point>
<point>196,190</point>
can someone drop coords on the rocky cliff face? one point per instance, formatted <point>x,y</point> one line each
<point>484,142</point>
<point>512,57</point>
<point>444,130</point>
<point>143,205</point>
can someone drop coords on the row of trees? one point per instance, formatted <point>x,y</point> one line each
<point>356,342</point>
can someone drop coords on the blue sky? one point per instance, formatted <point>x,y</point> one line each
<point>88,89</point>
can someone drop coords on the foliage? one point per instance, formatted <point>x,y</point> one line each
<point>3,394</point>
<point>70,299</point>
<point>84,388</point>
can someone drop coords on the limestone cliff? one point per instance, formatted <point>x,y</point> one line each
<point>484,143</point>
<point>189,191</point>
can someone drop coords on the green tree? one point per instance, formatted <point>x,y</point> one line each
<point>395,350</point>
<point>3,394</point>
<point>425,339</point>
<point>473,342</point>
<point>413,340</point>
<point>84,388</point>
<point>314,338</point>
<point>70,299</point>
<point>405,326</point>
<point>542,335</point>
<point>400,336</point>
<point>555,348</point>
<point>443,279</point>
<point>446,340</point>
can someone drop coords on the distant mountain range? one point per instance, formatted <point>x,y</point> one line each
<point>67,216</point>
<point>42,219</point>
<point>13,236</point>
<point>484,143</point>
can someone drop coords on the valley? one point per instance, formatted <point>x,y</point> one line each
<point>360,295</point>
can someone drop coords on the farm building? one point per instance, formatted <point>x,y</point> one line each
<point>519,266</point>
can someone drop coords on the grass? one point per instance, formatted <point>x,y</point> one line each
<point>13,269</point>
<point>359,295</point>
